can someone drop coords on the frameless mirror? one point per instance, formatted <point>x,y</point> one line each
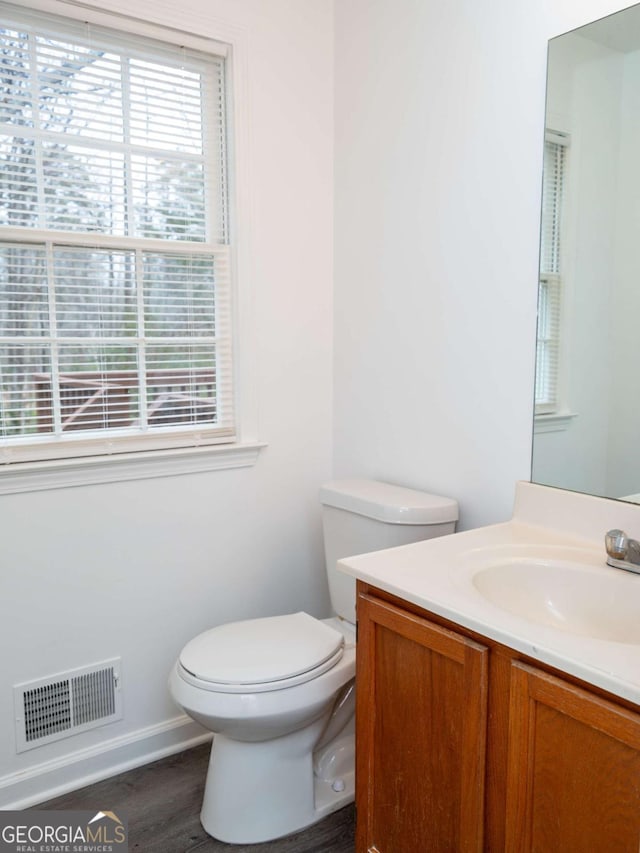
<point>587,421</point>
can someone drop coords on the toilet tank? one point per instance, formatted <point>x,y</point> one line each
<point>359,516</point>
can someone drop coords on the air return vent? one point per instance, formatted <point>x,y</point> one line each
<point>67,703</point>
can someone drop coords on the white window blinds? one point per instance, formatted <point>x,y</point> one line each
<point>114,250</point>
<point>550,292</point>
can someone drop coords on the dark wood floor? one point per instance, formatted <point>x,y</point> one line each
<point>162,804</point>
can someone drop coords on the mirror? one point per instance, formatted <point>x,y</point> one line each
<point>587,422</point>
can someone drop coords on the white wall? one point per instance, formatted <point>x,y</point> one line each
<point>135,569</point>
<point>439,126</point>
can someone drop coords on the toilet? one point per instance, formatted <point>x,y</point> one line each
<point>278,692</point>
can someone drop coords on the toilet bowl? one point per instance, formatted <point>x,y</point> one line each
<point>278,692</point>
<point>271,723</point>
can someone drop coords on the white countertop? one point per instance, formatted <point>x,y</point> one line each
<point>437,575</point>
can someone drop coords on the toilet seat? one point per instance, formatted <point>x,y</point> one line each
<point>258,655</point>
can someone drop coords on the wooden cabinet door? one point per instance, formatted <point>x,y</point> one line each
<point>421,720</point>
<point>573,780</point>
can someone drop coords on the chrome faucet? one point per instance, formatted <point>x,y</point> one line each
<point>622,552</point>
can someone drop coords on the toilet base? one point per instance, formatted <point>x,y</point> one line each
<point>256,792</point>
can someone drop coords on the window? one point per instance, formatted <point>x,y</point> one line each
<point>115,321</point>
<point>550,289</point>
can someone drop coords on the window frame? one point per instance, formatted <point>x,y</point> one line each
<point>166,454</point>
<point>552,413</point>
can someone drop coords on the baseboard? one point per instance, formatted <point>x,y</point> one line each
<point>86,766</point>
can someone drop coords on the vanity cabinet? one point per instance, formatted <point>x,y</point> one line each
<point>573,775</point>
<point>421,717</point>
<point>466,745</point>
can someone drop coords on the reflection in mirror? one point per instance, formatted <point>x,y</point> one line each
<point>587,422</point>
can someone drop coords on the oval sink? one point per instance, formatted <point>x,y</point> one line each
<point>600,603</point>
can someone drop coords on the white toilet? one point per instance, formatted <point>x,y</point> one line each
<point>278,692</point>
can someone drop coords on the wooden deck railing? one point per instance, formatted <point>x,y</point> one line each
<point>92,400</point>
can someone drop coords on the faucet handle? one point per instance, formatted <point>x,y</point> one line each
<point>616,542</point>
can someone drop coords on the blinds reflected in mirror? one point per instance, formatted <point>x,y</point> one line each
<point>550,289</point>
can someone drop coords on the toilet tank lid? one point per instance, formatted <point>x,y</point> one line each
<point>388,503</point>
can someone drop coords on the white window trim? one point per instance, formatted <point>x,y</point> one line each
<point>555,285</point>
<point>562,417</point>
<point>553,421</point>
<point>86,471</point>
<point>21,477</point>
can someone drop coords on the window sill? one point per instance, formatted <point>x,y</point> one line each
<point>555,422</point>
<point>62,474</point>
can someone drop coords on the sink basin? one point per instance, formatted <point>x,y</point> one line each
<point>596,602</point>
